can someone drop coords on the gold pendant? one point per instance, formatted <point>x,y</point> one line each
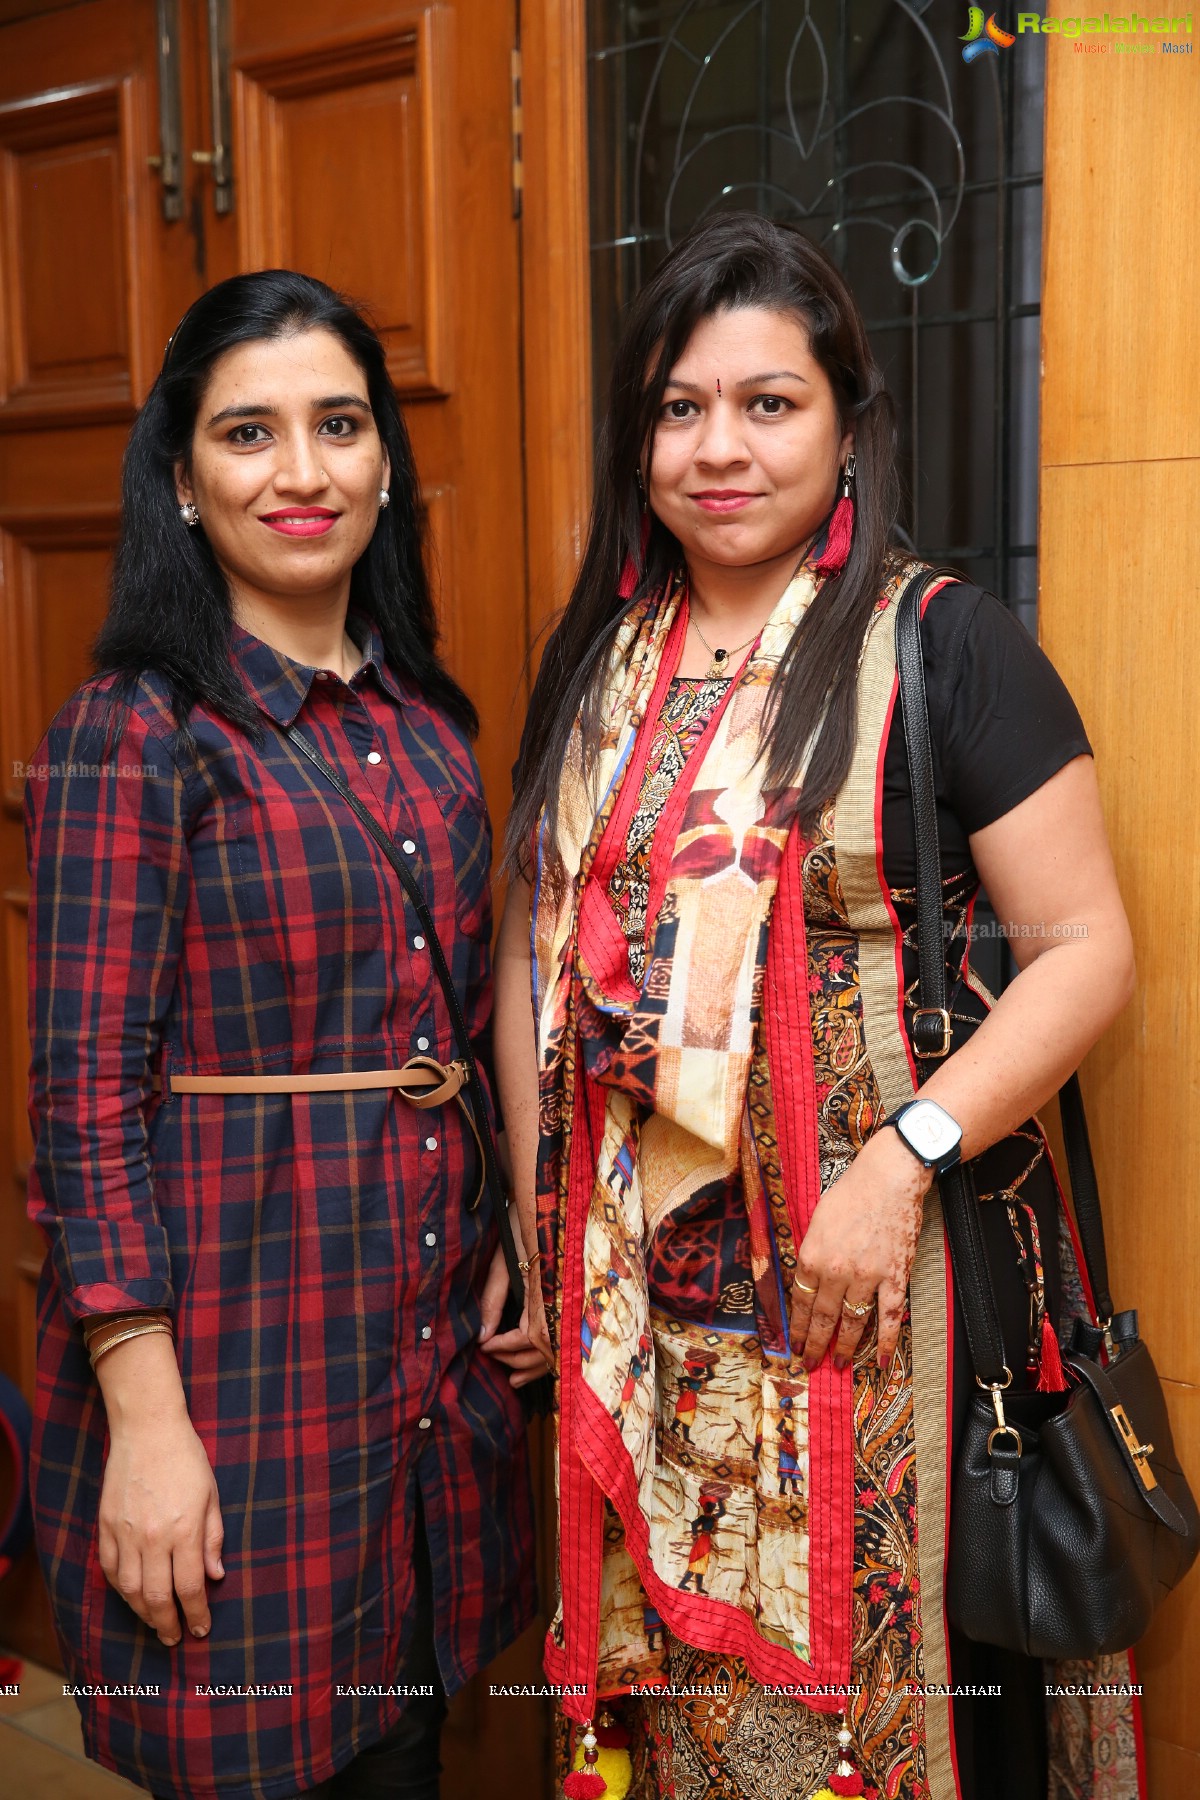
<point>716,667</point>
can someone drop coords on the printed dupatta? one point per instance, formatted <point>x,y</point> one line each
<point>705,1071</point>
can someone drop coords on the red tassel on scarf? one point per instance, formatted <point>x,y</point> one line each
<point>583,1784</point>
<point>1052,1377</point>
<point>846,1784</point>
<point>837,543</point>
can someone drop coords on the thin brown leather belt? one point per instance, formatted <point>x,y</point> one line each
<point>422,1081</point>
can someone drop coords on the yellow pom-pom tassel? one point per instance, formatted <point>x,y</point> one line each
<point>614,1766</point>
<point>823,1794</point>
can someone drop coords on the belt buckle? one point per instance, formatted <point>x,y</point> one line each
<point>931,1012</point>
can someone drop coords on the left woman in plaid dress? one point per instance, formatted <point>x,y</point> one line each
<point>287,1490</point>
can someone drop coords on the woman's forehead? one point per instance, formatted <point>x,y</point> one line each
<point>279,368</point>
<point>745,341</point>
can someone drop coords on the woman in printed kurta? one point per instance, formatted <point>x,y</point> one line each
<point>203,904</point>
<point>712,810</point>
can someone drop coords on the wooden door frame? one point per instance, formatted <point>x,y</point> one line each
<point>556,324</point>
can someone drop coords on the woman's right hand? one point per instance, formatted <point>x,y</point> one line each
<point>534,1317</point>
<point>160,1526</point>
<point>160,1516</point>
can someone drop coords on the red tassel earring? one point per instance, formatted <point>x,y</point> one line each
<point>841,527</point>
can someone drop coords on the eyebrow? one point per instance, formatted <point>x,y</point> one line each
<point>330,403</point>
<point>692,387</point>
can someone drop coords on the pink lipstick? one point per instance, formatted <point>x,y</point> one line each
<point>301,521</point>
<point>723,500</point>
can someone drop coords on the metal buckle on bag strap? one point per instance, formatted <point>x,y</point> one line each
<point>1139,1452</point>
<point>934,1048</point>
<point>1002,1428</point>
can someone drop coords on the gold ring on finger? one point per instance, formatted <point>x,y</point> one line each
<point>857,1312</point>
<point>804,1288</point>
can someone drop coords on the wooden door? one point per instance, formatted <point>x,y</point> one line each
<point>367,143</point>
<point>92,279</point>
<point>372,146</point>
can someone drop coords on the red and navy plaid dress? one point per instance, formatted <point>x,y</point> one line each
<point>225,912</point>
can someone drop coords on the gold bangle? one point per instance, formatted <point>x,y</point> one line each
<point>528,1263</point>
<point>158,1327</point>
<point>94,1326</point>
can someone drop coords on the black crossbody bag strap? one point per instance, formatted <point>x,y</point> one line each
<point>967,1250</point>
<point>968,1254</point>
<point>491,1165</point>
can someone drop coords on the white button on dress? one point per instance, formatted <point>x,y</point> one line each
<point>373,756</point>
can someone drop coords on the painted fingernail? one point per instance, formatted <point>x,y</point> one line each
<point>199,1630</point>
<point>841,1362</point>
<point>811,1363</point>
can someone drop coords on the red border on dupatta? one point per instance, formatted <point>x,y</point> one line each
<point>600,1464</point>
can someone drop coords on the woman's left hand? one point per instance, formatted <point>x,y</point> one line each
<point>517,1348</point>
<point>859,1248</point>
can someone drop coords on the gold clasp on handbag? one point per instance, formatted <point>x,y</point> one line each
<point>1002,1427</point>
<point>1139,1452</point>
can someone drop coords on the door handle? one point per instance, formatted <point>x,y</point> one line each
<point>168,162</point>
<point>220,158</point>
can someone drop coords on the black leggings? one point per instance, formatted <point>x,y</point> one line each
<point>406,1764</point>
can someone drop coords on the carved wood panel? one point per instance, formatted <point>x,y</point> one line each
<point>54,575</point>
<point>68,220</point>
<point>441,515</point>
<point>342,175</point>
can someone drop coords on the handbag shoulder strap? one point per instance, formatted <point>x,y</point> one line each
<point>962,1212</point>
<point>1085,1192</point>
<point>967,1252</point>
<point>412,889</point>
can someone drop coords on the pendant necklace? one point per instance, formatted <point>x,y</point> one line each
<point>716,668</point>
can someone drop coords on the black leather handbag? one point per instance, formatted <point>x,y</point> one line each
<point>1070,1524</point>
<point>536,1396</point>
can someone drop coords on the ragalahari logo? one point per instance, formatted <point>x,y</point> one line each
<point>983,38</point>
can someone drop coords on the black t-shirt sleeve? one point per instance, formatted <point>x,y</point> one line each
<point>1007,722</point>
<point>1001,723</point>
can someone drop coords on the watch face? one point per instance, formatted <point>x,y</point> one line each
<point>931,1131</point>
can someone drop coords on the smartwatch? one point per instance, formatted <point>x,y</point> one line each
<point>930,1133</point>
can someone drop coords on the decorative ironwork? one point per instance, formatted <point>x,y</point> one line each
<point>919,174</point>
<point>824,137</point>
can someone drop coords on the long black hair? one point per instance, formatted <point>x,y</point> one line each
<point>170,605</point>
<point>731,260</point>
